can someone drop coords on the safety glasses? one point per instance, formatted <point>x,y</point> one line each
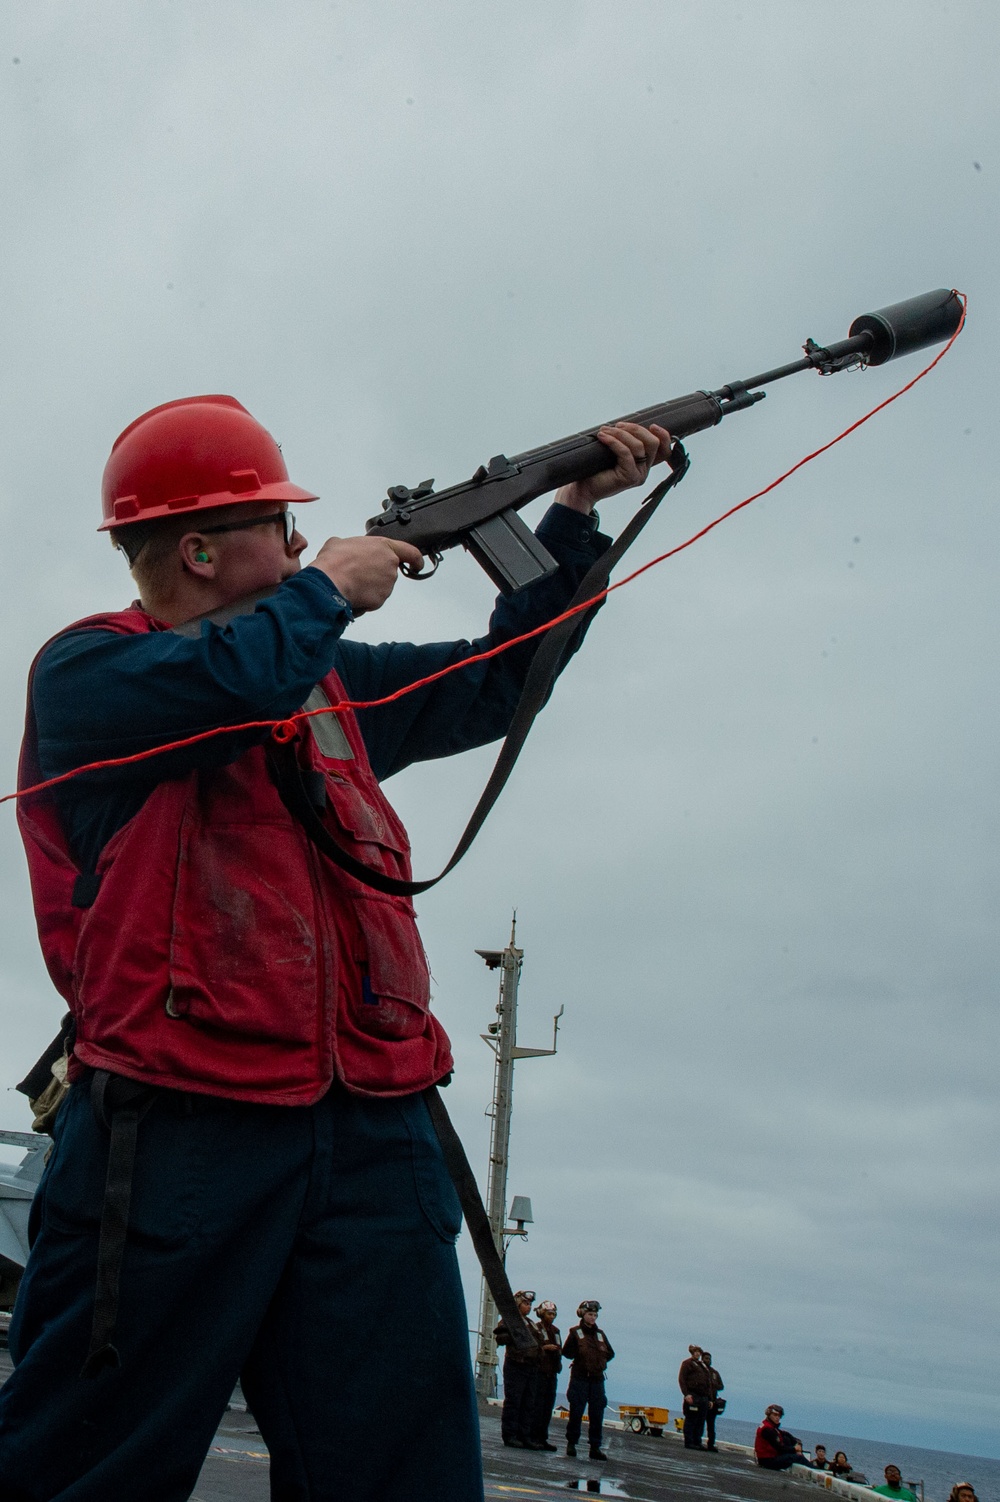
<point>286,518</point>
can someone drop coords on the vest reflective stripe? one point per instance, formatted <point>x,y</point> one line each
<point>222,953</point>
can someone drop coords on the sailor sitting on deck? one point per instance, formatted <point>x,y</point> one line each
<point>773,1446</point>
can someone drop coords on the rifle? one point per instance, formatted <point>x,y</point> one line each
<point>481,514</point>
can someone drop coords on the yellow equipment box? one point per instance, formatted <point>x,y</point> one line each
<point>642,1418</point>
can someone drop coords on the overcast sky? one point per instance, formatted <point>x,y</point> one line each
<point>752,842</point>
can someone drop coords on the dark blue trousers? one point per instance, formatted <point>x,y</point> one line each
<point>589,1396</point>
<point>545,1401</point>
<point>695,1415</point>
<point>520,1395</point>
<point>308,1250</point>
<point>781,1462</point>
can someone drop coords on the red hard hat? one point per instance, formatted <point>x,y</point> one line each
<point>188,455</point>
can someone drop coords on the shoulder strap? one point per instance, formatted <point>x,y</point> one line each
<point>537,685</point>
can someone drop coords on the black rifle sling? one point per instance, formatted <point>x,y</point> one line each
<point>291,782</point>
<point>478,1223</point>
<point>119,1105</point>
<point>290,777</point>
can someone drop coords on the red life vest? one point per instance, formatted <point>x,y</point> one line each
<point>222,953</point>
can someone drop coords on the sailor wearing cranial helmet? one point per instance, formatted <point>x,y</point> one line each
<point>520,1380</point>
<point>549,1367</point>
<point>589,1349</point>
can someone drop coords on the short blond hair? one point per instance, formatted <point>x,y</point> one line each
<point>150,546</point>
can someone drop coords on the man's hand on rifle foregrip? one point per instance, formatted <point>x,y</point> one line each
<point>635,448</point>
<point>365,569</point>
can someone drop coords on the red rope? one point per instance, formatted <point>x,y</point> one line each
<point>284,730</point>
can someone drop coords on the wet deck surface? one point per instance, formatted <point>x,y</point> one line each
<point>639,1466</point>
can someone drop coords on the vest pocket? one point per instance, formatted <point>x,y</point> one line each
<point>372,824</point>
<point>394,993</point>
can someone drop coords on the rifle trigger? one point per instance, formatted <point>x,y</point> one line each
<point>422,573</point>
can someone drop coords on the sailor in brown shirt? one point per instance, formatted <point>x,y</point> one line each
<point>695,1382</point>
<point>520,1380</point>
<point>716,1404</point>
<point>589,1349</point>
<point>549,1367</point>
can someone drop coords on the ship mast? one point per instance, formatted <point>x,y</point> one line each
<point>502,1038</point>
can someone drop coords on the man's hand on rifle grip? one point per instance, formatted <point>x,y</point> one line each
<point>636,449</point>
<point>365,569</point>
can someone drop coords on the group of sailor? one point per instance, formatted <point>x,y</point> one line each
<point>530,1377</point>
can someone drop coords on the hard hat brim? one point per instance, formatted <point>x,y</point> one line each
<point>279,490</point>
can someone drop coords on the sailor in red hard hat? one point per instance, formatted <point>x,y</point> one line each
<point>245,1182</point>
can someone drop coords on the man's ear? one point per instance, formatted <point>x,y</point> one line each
<point>197,555</point>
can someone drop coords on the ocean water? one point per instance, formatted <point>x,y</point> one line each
<point>937,1469</point>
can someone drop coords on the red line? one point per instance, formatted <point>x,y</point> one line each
<point>285,729</point>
